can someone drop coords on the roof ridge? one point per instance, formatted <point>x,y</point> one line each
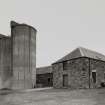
<point>81,51</point>
<point>92,51</point>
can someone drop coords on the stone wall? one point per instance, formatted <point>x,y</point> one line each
<point>78,73</point>
<point>99,66</point>
<point>57,75</point>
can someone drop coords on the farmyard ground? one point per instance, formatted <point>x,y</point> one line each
<point>55,97</point>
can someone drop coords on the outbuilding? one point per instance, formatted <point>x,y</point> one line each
<point>44,76</point>
<point>82,68</point>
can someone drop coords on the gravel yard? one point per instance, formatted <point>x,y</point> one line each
<point>54,97</point>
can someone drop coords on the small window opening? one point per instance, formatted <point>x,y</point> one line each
<point>65,65</point>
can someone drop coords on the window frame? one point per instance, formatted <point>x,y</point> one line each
<point>65,65</point>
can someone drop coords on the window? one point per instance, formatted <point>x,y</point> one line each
<point>65,65</point>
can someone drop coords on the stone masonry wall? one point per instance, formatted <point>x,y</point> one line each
<point>57,75</point>
<point>78,73</point>
<point>99,66</point>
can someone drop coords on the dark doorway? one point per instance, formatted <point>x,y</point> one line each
<point>65,80</point>
<point>94,76</point>
<point>49,81</point>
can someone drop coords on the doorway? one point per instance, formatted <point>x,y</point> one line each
<point>65,80</point>
<point>94,76</point>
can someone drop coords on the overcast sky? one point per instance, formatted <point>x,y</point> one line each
<point>62,25</point>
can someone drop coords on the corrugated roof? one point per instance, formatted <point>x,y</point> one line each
<point>43,70</point>
<point>82,52</point>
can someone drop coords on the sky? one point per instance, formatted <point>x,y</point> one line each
<point>62,25</point>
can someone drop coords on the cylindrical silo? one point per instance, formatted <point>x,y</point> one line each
<point>5,62</point>
<point>23,55</point>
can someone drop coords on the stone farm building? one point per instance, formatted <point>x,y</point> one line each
<point>44,76</point>
<point>82,68</point>
<point>18,57</point>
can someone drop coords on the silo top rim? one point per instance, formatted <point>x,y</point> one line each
<point>14,24</point>
<point>4,36</point>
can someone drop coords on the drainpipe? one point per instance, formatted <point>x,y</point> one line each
<point>89,72</point>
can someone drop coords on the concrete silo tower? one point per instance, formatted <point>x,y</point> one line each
<point>23,55</point>
<point>5,62</point>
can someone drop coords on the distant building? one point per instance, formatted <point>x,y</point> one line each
<point>44,77</point>
<point>18,57</point>
<point>82,68</point>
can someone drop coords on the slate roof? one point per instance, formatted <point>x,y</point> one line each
<point>44,70</point>
<point>82,52</point>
